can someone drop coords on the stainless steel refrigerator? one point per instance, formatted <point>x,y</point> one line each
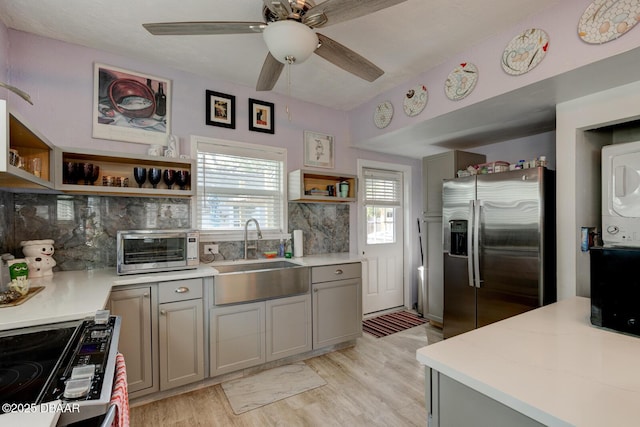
<point>499,247</point>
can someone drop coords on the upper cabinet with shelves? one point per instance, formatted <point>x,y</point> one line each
<point>316,186</point>
<point>116,175</point>
<point>26,156</point>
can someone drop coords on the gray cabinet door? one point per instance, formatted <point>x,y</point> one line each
<point>288,326</point>
<point>453,404</point>
<point>136,307</point>
<point>181,339</point>
<point>237,337</point>
<point>337,311</point>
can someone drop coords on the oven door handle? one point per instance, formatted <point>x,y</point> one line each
<point>109,416</point>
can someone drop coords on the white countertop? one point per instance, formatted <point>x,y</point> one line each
<point>73,295</point>
<point>550,364</point>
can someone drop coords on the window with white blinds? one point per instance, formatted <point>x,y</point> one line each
<point>382,195</point>
<point>237,182</point>
<point>382,188</point>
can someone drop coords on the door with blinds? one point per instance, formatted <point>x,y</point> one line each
<point>383,240</point>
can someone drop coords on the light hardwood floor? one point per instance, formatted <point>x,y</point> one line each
<point>377,382</point>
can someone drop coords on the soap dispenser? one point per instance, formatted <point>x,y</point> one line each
<point>281,247</point>
<point>288,251</point>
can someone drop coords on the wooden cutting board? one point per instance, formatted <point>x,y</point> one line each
<point>32,291</point>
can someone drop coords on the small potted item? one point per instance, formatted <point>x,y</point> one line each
<point>38,254</point>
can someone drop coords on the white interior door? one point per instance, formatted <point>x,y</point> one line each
<point>383,240</point>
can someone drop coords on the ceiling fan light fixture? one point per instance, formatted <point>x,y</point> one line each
<point>290,41</point>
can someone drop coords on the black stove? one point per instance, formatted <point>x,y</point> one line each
<point>28,360</point>
<point>73,362</point>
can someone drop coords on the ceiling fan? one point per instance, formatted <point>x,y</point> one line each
<point>288,31</point>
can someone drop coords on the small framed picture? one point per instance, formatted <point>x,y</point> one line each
<point>318,150</point>
<point>261,116</point>
<point>221,109</point>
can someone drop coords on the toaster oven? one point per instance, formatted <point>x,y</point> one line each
<point>147,251</point>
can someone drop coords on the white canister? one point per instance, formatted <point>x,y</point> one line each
<point>298,243</point>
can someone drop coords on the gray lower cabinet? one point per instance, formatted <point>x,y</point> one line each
<point>245,335</point>
<point>337,303</point>
<point>181,332</point>
<point>162,334</point>
<point>236,337</point>
<point>288,326</point>
<point>181,343</point>
<point>138,308</point>
<point>453,404</point>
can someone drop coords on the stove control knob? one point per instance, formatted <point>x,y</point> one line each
<point>75,389</point>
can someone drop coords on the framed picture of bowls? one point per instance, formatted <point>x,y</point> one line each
<point>221,109</point>
<point>130,106</point>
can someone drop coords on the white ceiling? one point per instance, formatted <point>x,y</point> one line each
<point>404,40</point>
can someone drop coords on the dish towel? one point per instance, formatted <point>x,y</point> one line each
<point>120,394</point>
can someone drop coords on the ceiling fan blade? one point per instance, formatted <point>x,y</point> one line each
<point>343,10</point>
<point>271,70</point>
<point>203,28</point>
<point>347,59</point>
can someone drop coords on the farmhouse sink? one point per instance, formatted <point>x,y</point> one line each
<point>240,268</point>
<point>239,283</point>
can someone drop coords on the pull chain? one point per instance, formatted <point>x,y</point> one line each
<point>290,60</point>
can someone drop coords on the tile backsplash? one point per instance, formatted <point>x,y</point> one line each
<point>84,227</point>
<point>325,229</point>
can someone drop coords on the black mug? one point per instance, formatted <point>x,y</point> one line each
<point>331,189</point>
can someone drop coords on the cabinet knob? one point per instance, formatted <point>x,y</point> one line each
<point>315,290</point>
<point>146,295</point>
<point>163,312</point>
<point>181,290</point>
<point>339,271</point>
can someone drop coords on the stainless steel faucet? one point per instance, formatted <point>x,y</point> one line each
<point>246,246</point>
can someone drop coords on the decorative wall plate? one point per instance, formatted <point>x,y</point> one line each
<point>383,114</point>
<point>415,100</point>
<point>606,20</point>
<point>525,51</point>
<point>461,81</point>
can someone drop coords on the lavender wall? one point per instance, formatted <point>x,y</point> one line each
<point>566,52</point>
<point>59,77</point>
<point>528,148</point>
<point>4,58</point>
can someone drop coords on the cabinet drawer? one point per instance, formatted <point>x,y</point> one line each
<point>336,272</point>
<point>179,290</point>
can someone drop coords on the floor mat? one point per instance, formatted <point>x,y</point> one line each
<point>245,394</point>
<point>388,324</point>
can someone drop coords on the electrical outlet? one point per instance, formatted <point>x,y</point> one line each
<point>210,249</point>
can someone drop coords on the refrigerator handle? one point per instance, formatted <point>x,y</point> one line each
<point>476,242</point>
<point>470,250</point>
